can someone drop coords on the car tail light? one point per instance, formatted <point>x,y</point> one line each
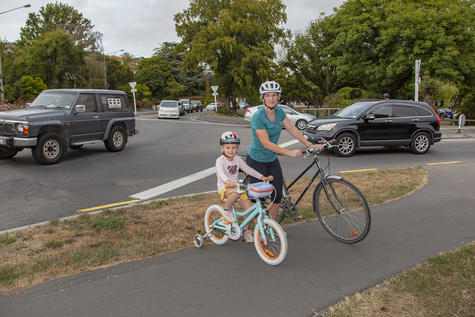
<point>247,110</point>
<point>438,119</point>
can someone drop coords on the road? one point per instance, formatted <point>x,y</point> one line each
<point>231,280</point>
<point>164,151</point>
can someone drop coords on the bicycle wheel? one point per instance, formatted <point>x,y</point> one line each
<point>342,210</point>
<point>214,213</point>
<point>274,250</point>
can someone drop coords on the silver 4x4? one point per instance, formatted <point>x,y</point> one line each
<point>59,119</point>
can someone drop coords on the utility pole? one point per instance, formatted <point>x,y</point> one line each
<point>417,79</point>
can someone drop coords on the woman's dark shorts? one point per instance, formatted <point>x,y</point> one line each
<point>268,168</point>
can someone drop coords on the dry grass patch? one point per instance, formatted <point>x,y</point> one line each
<point>442,286</point>
<point>42,253</point>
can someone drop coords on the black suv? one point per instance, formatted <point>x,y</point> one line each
<point>59,119</point>
<point>388,123</point>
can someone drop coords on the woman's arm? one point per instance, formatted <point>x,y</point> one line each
<point>298,135</point>
<point>264,139</point>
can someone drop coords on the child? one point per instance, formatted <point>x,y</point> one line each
<point>227,167</point>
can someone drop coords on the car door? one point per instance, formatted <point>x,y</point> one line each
<point>85,126</point>
<point>404,121</point>
<point>379,130</point>
<point>292,115</point>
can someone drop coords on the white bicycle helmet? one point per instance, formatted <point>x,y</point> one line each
<point>229,137</point>
<point>270,86</point>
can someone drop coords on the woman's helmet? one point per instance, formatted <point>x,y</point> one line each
<point>229,137</point>
<point>269,86</point>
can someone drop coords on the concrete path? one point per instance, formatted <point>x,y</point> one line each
<point>231,280</point>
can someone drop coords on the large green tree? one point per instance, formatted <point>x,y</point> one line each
<point>59,16</point>
<point>156,73</point>
<point>235,38</point>
<point>373,44</point>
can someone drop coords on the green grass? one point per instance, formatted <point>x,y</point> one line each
<point>8,274</point>
<point>7,239</point>
<point>113,223</point>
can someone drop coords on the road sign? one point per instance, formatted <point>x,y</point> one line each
<point>215,89</point>
<point>132,84</point>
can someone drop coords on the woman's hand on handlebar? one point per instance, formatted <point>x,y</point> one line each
<point>296,153</point>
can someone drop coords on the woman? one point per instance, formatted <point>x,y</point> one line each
<point>266,125</point>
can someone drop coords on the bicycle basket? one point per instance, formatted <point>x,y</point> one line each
<point>258,190</point>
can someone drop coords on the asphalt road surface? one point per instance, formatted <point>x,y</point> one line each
<point>165,150</point>
<point>231,280</point>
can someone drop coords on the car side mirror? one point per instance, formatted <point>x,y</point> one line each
<point>370,116</point>
<point>79,108</point>
<point>28,105</point>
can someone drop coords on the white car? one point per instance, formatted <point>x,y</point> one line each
<point>212,106</point>
<point>169,109</point>
<point>299,119</point>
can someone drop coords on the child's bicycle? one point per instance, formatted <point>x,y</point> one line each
<point>269,238</point>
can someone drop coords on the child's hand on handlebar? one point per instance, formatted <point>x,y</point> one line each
<point>269,178</point>
<point>230,184</point>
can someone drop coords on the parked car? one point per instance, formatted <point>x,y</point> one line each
<point>181,108</point>
<point>300,120</point>
<point>387,123</point>
<point>243,105</point>
<point>186,104</point>
<point>197,105</point>
<point>169,109</point>
<point>59,119</point>
<point>446,113</point>
<point>212,106</point>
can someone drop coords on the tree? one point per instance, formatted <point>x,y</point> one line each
<point>30,87</point>
<point>54,58</point>
<point>59,16</point>
<point>156,73</point>
<point>118,74</point>
<point>235,38</point>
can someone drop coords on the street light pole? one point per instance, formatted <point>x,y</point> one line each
<point>1,74</point>
<point>105,67</point>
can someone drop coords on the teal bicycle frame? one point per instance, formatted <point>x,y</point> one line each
<point>254,210</point>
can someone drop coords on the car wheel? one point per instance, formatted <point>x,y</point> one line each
<point>301,124</point>
<point>7,152</point>
<point>117,139</point>
<point>420,143</point>
<point>345,145</point>
<point>49,150</point>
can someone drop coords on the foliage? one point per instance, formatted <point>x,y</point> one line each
<point>188,83</point>
<point>118,74</point>
<point>373,44</point>
<point>30,87</point>
<point>61,16</point>
<point>156,73</point>
<point>343,97</point>
<point>234,38</point>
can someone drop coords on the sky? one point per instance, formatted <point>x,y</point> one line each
<point>139,26</point>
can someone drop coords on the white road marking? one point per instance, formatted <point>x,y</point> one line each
<point>159,190</point>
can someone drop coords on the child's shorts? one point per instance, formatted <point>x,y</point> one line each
<point>242,197</point>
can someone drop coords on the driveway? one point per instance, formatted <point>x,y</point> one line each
<point>231,280</point>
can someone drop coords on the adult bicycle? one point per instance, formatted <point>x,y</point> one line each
<point>340,206</point>
<point>270,239</point>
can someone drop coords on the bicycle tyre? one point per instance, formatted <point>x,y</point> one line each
<point>276,249</point>
<point>213,213</point>
<point>344,213</point>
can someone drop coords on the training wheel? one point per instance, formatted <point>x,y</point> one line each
<point>198,240</point>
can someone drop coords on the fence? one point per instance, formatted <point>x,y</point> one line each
<point>318,112</point>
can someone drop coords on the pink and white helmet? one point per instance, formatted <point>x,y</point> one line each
<point>229,137</point>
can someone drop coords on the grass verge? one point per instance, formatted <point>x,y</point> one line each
<point>442,286</point>
<point>115,236</point>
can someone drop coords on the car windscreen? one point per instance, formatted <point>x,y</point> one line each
<point>354,110</point>
<point>169,104</point>
<point>53,100</point>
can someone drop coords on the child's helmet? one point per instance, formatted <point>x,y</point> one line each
<point>229,137</point>
<point>270,86</point>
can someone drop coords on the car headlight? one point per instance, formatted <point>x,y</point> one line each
<point>326,127</point>
<point>22,127</point>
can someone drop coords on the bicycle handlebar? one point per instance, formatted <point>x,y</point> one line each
<point>327,145</point>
